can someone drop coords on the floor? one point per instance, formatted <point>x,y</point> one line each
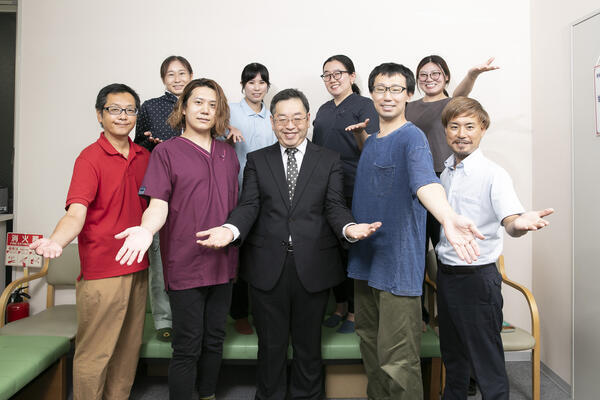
<point>237,383</point>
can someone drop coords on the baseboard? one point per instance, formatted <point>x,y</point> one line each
<point>560,382</point>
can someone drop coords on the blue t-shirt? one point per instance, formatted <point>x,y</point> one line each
<point>390,171</point>
<point>329,131</point>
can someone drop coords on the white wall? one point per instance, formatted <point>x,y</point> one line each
<point>69,49</point>
<point>551,121</point>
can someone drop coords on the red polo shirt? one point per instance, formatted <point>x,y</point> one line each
<point>107,184</point>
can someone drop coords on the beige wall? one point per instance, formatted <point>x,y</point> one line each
<point>68,49</point>
<point>551,128</point>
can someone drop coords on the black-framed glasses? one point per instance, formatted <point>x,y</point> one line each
<point>337,75</point>
<point>296,120</point>
<point>114,110</point>
<point>395,89</point>
<point>435,75</point>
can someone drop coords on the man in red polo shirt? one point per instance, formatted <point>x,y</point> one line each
<point>111,298</point>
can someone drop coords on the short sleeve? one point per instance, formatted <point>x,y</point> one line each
<point>420,165</point>
<point>503,196</point>
<point>368,111</point>
<point>84,183</point>
<point>157,181</point>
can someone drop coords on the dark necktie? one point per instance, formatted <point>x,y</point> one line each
<point>292,172</point>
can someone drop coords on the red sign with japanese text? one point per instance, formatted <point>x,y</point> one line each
<point>18,253</point>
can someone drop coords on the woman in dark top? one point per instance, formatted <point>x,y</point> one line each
<point>346,108</point>
<point>433,76</point>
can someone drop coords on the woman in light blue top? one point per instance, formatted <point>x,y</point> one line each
<point>252,117</point>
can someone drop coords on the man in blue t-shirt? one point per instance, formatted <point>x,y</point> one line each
<point>396,184</point>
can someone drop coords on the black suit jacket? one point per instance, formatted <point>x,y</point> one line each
<point>314,220</point>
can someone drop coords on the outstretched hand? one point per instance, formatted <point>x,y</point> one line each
<point>235,135</point>
<point>486,66</point>
<point>357,128</point>
<point>215,238</point>
<point>361,231</point>
<point>137,241</point>
<point>47,248</point>
<point>461,232</point>
<point>152,139</point>
<point>532,220</point>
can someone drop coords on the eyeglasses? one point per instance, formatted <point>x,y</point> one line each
<point>435,75</point>
<point>394,90</point>
<point>337,75</point>
<point>113,110</point>
<point>296,120</point>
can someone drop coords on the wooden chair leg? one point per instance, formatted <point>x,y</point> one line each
<point>443,379</point>
<point>435,379</point>
<point>535,373</point>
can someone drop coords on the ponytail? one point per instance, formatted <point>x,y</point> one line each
<point>355,89</point>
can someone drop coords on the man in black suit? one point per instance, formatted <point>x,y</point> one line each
<point>290,219</point>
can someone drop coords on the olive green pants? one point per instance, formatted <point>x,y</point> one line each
<point>389,327</point>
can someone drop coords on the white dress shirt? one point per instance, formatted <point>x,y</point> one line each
<point>482,191</point>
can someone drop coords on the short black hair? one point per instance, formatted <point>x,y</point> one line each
<point>389,69</point>
<point>115,88</point>
<point>251,70</point>
<point>287,94</point>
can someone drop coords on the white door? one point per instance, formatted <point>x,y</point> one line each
<point>586,207</point>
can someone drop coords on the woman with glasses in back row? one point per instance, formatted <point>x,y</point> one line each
<point>346,108</point>
<point>433,77</point>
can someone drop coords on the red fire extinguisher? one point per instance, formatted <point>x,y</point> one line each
<point>17,307</point>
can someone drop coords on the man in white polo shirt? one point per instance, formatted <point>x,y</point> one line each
<point>469,297</point>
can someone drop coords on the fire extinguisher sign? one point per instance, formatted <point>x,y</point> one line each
<point>18,253</point>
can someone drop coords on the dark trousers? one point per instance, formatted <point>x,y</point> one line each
<point>344,292</point>
<point>288,308</point>
<point>199,317</point>
<point>470,320</point>
<point>239,299</point>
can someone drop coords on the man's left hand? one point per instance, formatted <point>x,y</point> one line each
<point>361,231</point>
<point>532,220</point>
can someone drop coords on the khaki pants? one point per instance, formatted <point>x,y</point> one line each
<point>389,327</point>
<point>110,315</point>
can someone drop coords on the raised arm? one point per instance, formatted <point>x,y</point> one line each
<point>66,230</point>
<point>139,238</point>
<point>466,85</point>
<point>460,231</point>
<point>360,132</point>
<point>518,225</point>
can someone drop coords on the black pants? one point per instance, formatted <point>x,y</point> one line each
<point>344,292</point>
<point>289,308</point>
<point>239,299</point>
<point>470,318</point>
<point>199,317</point>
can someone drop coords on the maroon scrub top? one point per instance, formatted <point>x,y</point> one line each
<point>201,189</point>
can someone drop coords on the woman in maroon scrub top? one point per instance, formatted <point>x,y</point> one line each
<point>192,181</point>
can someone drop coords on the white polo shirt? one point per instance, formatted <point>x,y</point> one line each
<point>482,191</point>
